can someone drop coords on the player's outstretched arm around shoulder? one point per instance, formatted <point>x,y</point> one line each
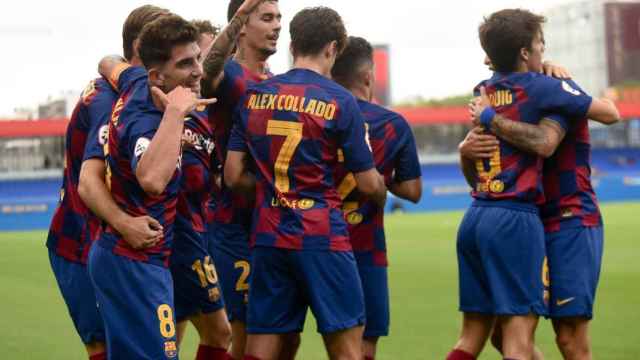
<point>139,232</point>
<point>604,111</point>
<point>222,47</point>
<point>541,139</point>
<point>110,68</point>
<point>158,163</point>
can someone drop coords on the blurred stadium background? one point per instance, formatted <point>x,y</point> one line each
<point>599,41</point>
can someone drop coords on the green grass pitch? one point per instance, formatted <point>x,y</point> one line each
<point>423,281</point>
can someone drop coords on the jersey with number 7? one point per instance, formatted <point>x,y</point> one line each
<point>293,125</point>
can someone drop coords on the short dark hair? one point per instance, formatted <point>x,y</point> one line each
<point>134,23</point>
<point>313,28</point>
<point>357,53</point>
<point>205,27</point>
<point>505,32</point>
<point>159,37</point>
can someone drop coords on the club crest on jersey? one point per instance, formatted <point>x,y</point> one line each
<point>170,349</point>
<point>568,88</point>
<point>354,218</point>
<point>496,186</point>
<point>214,294</point>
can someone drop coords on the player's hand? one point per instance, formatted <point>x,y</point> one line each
<point>478,145</point>
<point>141,232</point>
<point>554,70</point>
<point>248,6</point>
<point>477,105</point>
<point>180,99</point>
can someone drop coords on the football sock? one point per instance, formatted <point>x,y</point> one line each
<point>211,353</point>
<point>100,356</point>
<point>458,354</point>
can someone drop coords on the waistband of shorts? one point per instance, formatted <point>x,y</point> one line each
<point>507,204</point>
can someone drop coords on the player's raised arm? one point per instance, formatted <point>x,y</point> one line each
<point>158,162</point>
<point>541,139</point>
<point>222,47</point>
<point>110,68</point>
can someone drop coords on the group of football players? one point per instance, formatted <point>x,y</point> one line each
<point>199,187</point>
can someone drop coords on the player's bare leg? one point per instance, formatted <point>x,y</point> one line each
<point>213,329</point>
<point>369,345</point>
<point>238,339</point>
<point>264,346</point>
<point>476,329</point>
<point>181,329</point>
<point>518,336</point>
<point>572,337</point>
<point>96,348</point>
<point>496,341</point>
<point>290,346</point>
<point>344,344</point>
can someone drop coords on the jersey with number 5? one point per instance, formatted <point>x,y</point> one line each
<point>512,174</point>
<point>292,126</point>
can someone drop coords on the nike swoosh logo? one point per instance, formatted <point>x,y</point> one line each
<point>565,301</point>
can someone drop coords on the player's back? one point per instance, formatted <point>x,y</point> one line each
<point>293,126</point>
<point>512,174</point>
<point>73,225</point>
<point>394,153</point>
<point>570,197</point>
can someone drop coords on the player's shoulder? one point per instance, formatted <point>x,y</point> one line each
<point>375,113</point>
<point>96,90</point>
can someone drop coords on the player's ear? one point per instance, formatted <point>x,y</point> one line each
<point>136,44</point>
<point>331,50</point>
<point>524,54</point>
<point>156,78</point>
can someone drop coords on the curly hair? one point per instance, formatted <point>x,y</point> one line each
<point>159,37</point>
<point>313,28</point>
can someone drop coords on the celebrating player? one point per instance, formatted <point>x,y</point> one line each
<point>396,158</point>
<point>74,227</point>
<point>570,214</point>
<point>143,171</point>
<point>503,221</point>
<point>292,126</point>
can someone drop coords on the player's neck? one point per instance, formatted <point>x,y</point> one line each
<point>313,63</point>
<point>251,59</point>
<point>361,93</point>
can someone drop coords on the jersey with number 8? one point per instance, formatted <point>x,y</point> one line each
<point>293,125</point>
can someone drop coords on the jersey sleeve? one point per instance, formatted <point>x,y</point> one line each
<point>407,166</point>
<point>561,97</point>
<point>237,138</point>
<point>141,127</point>
<point>99,114</point>
<point>352,139</point>
<point>124,75</point>
<point>560,120</point>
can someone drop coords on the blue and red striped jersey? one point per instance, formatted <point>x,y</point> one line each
<point>570,198</point>
<point>134,122</point>
<point>227,207</point>
<point>293,126</point>
<point>194,196</point>
<point>396,157</point>
<point>512,174</point>
<point>73,226</point>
